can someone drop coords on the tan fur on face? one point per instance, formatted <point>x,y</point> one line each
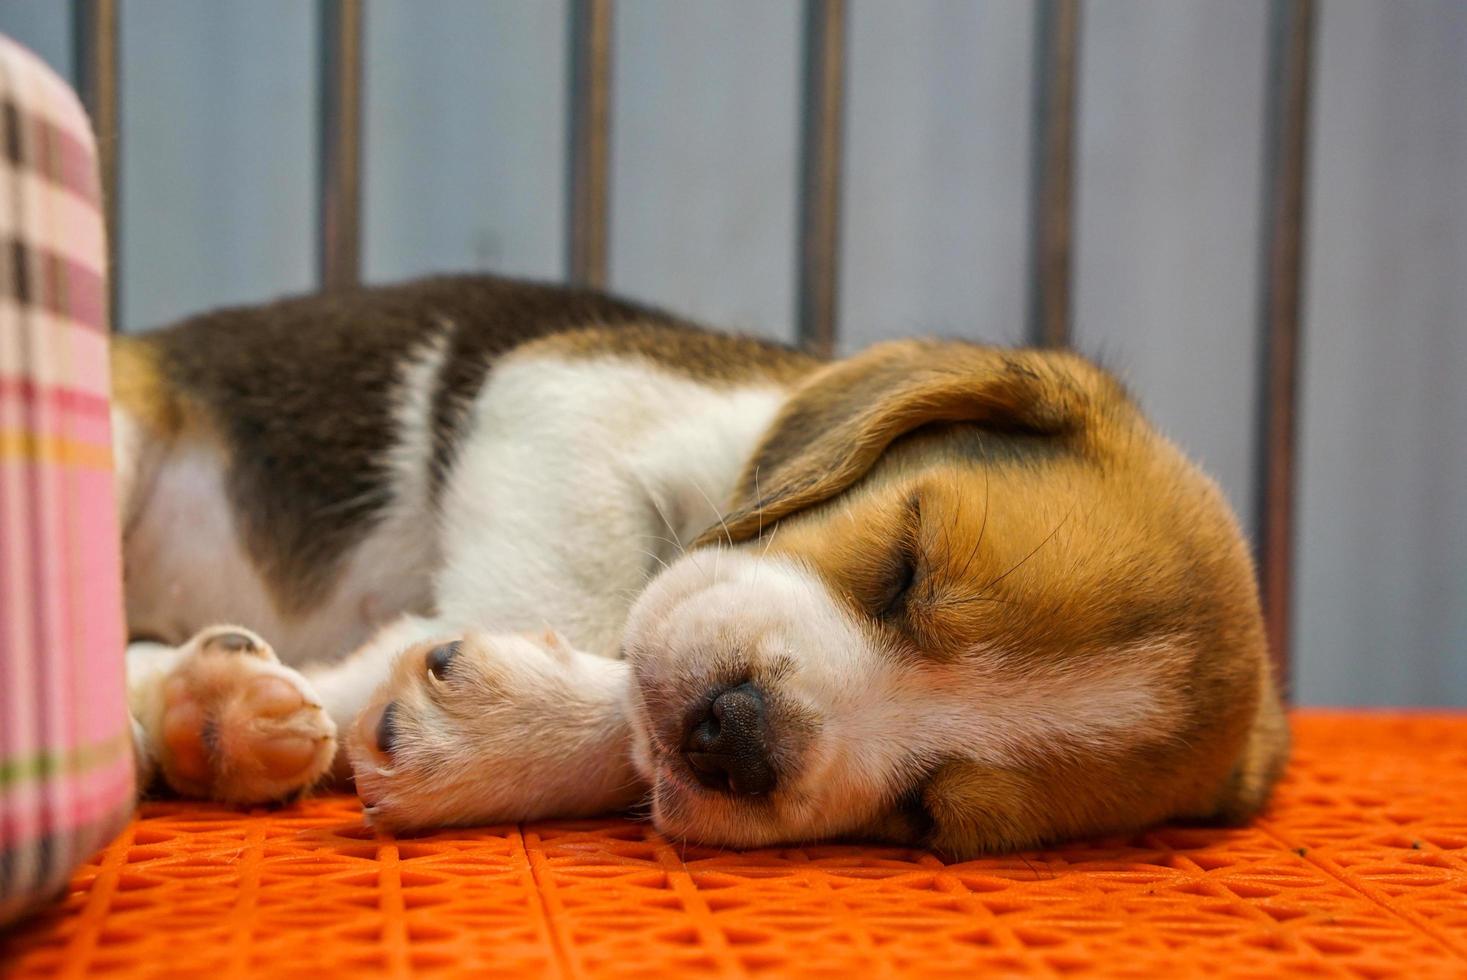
<point>1054,530</point>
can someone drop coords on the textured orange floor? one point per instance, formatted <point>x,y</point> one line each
<point>1358,870</point>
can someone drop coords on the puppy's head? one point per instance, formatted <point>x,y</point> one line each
<point>965,598</point>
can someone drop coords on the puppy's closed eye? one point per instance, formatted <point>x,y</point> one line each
<point>900,577</point>
<point>902,568</point>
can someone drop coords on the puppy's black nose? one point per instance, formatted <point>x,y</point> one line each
<point>726,748</point>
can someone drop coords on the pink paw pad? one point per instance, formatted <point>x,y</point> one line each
<point>236,726</point>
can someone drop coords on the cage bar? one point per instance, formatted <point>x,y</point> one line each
<point>341,143</point>
<point>95,48</point>
<point>1286,148</point>
<point>590,140</point>
<point>822,128</point>
<point>1056,55</point>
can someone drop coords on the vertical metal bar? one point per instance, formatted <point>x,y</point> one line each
<point>95,47</point>
<point>1056,53</point>
<point>590,140</point>
<point>822,134</point>
<point>1286,148</point>
<point>341,143</point>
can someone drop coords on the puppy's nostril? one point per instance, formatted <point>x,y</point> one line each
<point>386,733</point>
<point>726,748</point>
<point>440,658</point>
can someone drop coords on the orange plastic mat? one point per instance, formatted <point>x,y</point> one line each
<point>1359,869</point>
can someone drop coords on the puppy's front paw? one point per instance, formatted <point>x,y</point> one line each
<point>493,729</point>
<point>234,724</point>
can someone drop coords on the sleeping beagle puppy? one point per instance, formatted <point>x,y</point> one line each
<point>502,551</point>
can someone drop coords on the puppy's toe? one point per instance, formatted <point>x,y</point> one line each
<point>237,726</point>
<point>440,659</point>
<point>227,639</point>
<point>377,730</point>
<point>409,743</point>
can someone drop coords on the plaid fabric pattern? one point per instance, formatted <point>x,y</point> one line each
<point>66,777</point>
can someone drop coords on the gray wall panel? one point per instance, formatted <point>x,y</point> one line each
<point>935,236</point>
<point>218,154</point>
<point>464,137</point>
<point>1168,224</point>
<point>44,26</point>
<point>1382,573</point>
<point>703,159</point>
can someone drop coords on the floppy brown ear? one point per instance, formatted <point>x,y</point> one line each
<point>838,423</point>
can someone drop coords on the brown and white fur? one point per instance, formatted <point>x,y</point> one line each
<point>520,551</point>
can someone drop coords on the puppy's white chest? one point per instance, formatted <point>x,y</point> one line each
<point>578,477</point>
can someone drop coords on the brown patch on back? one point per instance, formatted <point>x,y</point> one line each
<point>685,350</point>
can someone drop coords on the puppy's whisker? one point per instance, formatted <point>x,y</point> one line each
<point>758,513</point>
<point>759,502</point>
<point>965,600</point>
<point>655,557</point>
<point>982,528</point>
<point>628,784</point>
<point>664,539</point>
<point>369,499</point>
<point>662,516</point>
<point>768,544</point>
<point>713,507</point>
<point>1048,538</point>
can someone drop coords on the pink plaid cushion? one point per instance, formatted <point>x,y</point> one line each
<point>66,779</point>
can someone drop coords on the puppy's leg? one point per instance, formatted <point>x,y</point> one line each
<point>346,685</point>
<point>219,717</point>
<point>494,728</point>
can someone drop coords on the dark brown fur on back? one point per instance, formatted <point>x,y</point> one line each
<point>301,392</point>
